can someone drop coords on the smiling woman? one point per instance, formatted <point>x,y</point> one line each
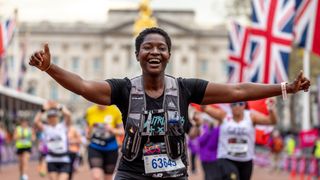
<point>152,95</point>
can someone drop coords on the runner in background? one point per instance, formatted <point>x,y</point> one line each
<point>74,141</point>
<point>208,144</point>
<point>43,150</point>
<point>55,134</point>
<point>2,141</point>
<point>276,146</point>
<point>193,146</point>
<point>237,135</point>
<point>23,136</point>
<point>316,154</point>
<point>104,124</point>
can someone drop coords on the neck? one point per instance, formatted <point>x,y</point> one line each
<point>153,85</point>
<point>238,117</point>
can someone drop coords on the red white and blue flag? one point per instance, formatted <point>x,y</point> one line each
<point>307,25</point>
<point>238,56</point>
<point>7,29</point>
<point>271,36</point>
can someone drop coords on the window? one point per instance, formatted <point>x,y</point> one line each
<point>184,61</point>
<point>74,97</point>
<point>54,92</point>
<point>204,66</point>
<point>55,60</point>
<point>116,60</point>
<point>75,64</point>
<point>10,62</point>
<point>97,65</point>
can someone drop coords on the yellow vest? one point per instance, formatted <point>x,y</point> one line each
<point>317,150</point>
<point>291,144</point>
<point>24,138</point>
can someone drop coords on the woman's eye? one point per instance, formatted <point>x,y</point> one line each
<point>146,47</point>
<point>162,48</point>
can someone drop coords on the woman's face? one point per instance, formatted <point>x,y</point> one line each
<point>153,54</point>
<point>237,108</point>
<point>53,120</point>
<point>24,123</point>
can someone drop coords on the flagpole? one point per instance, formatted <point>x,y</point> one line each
<point>306,95</point>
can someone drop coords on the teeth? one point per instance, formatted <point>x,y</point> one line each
<point>154,61</point>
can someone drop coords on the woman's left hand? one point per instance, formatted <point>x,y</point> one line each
<point>300,83</point>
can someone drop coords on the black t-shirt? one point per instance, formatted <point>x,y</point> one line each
<point>190,91</point>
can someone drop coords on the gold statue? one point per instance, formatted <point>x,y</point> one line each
<point>145,19</point>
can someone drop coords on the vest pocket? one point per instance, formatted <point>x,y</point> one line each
<point>132,139</point>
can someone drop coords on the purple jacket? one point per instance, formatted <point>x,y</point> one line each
<point>208,143</point>
<point>193,145</point>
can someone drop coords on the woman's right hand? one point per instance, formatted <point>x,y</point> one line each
<point>41,59</point>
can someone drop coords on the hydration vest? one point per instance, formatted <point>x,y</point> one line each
<point>139,119</point>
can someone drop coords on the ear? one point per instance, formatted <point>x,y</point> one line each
<point>137,54</point>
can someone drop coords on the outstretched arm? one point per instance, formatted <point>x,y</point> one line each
<point>227,93</point>
<point>96,91</point>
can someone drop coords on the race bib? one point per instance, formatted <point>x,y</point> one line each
<point>158,164</point>
<point>100,131</point>
<point>161,163</point>
<point>56,146</point>
<point>237,147</point>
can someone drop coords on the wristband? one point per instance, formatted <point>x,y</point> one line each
<point>47,67</point>
<point>284,90</point>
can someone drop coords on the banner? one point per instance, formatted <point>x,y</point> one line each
<point>318,101</point>
<point>308,138</point>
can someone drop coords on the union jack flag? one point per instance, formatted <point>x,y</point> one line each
<point>270,40</point>
<point>238,58</point>
<point>7,29</point>
<point>307,25</point>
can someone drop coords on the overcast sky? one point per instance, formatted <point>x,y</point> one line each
<point>207,11</point>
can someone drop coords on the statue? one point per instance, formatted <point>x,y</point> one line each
<point>145,19</point>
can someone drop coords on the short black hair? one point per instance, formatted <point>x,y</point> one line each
<point>152,30</point>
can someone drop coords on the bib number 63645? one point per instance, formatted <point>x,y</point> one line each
<point>161,163</point>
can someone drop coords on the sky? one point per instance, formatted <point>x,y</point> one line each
<point>208,12</point>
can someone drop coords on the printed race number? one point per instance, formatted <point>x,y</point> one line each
<point>160,163</point>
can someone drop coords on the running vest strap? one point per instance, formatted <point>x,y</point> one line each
<point>24,135</point>
<point>139,120</point>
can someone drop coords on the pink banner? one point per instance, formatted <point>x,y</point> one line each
<point>307,138</point>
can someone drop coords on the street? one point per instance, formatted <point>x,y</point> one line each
<point>10,172</point>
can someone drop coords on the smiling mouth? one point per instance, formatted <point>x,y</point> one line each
<point>154,61</point>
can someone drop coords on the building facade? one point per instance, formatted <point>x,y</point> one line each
<point>102,51</point>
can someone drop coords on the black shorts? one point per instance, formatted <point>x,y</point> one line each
<point>59,167</point>
<point>22,150</point>
<point>243,169</point>
<point>105,160</point>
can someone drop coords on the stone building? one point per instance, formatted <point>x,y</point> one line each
<point>102,51</point>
